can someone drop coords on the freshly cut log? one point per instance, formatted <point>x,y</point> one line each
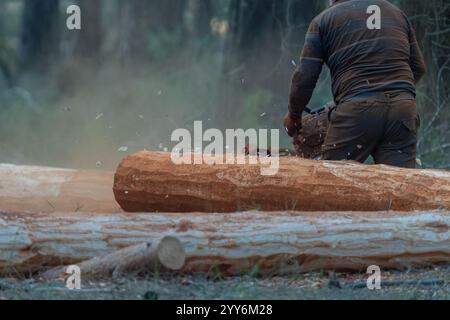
<point>167,253</point>
<point>151,182</point>
<point>42,189</point>
<point>234,243</point>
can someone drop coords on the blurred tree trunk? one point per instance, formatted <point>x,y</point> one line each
<point>146,25</point>
<point>264,34</point>
<point>264,38</point>
<point>254,31</point>
<point>167,15</point>
<point>201,11</point>
<point>2,23</point>
<point>198,19</point>
<point>89,43</point>
<point>83,58</point>
<point>141,13</point>
<point>432,25</point>
<point>40,35</point>
<point>5,71</point>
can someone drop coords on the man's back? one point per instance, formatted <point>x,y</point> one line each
<point>363,59</point>
<point>374,69</point>
<point>360,59</point>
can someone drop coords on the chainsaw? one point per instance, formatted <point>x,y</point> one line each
<point>309,140</point>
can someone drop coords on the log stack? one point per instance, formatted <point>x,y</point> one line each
<point>312,215</point>
<point>151,182</point>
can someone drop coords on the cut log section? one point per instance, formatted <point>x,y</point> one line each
<point>41,189</point>
<point>167,253</point>
<point>151,182</point>
<point>234,243</point>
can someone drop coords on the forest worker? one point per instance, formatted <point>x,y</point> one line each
<point>375,63</point>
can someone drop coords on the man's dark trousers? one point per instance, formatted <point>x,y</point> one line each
<point>380,125</point>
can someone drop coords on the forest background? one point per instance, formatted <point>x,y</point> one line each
<point>137,70</point>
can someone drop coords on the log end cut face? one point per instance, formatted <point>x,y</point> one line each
<point>171,253</point>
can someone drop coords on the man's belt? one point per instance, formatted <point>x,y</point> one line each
<point>381,95</point>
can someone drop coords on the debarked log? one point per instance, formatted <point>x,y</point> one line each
<point>151,182</point>
<point>234,243</point>
<point>43,189</point>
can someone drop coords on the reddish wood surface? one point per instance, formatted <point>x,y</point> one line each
<point>151,182</point>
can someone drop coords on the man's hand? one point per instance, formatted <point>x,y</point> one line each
<point>292,124</point>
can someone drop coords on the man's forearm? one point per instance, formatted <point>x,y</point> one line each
<point>303,83</point>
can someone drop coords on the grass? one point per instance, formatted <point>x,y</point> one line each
<point>310,286</point>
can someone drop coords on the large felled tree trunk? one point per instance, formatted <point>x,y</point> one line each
<point>235,243</point>
<point>148,182</point>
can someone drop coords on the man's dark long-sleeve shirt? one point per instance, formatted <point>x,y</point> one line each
<point>360,59</point>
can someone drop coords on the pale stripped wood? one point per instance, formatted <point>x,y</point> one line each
<point>234,243</point>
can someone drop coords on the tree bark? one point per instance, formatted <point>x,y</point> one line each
<point>149,182</point>
<point>235,243</point>
<point>167,253</point>
<point>40,189</point>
